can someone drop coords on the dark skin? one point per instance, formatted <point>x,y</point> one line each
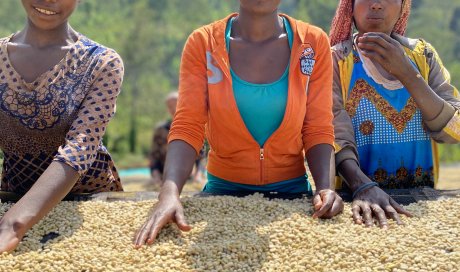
<point>43,42</point>
<point>375,21</point>
<point>257,37</point>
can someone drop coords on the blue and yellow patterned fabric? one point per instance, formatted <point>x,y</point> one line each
<point>394,147</point>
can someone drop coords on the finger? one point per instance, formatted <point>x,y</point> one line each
<point>156,228</point>
<point>143,233</point>
<point>393,214</point>
<point>399,208</point>
<point>137,233</point>
<point>382,39</point>
<point>180,221</point>
<point>374,56</point>
<point>373,47</point>
<point>367,214</point>
<point>337,207</point>
<point>317,202</point>
<point>328,201</point>
<point>356,210</point>
<point>380,214</point>
<point>384,36</point>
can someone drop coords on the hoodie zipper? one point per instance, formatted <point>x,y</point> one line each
<point>262,157</point>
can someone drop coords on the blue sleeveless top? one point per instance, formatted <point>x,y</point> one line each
<point>394,148</point>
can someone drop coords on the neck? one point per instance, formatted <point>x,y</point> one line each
<point>256,27</point>
<point>60,36</point>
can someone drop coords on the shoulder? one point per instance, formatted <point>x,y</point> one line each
<point>309,35</point>
<point>342,50</point>
<point>310,29</point>
<point>410,43</point>
<point>420,47</point>
<point>212,34</point>
<point>305,29</point>
<point>103,55</point>
<point>4,40</point>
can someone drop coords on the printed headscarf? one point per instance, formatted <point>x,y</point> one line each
<point>341,28</point>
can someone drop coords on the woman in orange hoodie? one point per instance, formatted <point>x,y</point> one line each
<point>259,85</point>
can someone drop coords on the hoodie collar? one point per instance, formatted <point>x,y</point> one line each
<point>218,31</point>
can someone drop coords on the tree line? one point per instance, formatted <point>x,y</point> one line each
<point>150,35</point>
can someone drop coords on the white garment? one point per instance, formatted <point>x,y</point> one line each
<point>373,72</point>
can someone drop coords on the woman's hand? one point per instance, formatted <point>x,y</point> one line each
<point>327,204</point>
<point>387,52</point>
<point>11,233</point>
<point>374,201</point>
<point>167,210</point>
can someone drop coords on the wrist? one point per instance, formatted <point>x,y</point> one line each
<point>16,224</point>
<point>320,186</point>
<point>359,180</point>
<point>169,189</point>
<point>364,187</point>
<point>409,75</point>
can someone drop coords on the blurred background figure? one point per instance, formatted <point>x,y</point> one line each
<point>160,142</point>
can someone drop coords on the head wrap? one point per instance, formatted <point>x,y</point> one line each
<point>341,28</point>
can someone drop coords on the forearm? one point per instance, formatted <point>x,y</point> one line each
<point>353,175</point>
<point>429,103</point>
<point>178,166</point>
<point>52,186</point>
<point>321,162</point>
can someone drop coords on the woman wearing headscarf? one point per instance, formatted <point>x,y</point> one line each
<point>392,101</point>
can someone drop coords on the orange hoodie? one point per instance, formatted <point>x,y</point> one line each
<point>207,104</point>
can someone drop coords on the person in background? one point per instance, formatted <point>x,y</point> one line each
<point>160,140</point>
<point>258,84</point>
<point>392,101</point>
<point>58,91</point>
<point>160,143</point>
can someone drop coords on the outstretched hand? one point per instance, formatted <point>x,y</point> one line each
<point>166,211</point>
<point>375,202</point>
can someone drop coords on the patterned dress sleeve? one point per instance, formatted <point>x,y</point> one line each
<point>98,107</point>
<point>445,128</point>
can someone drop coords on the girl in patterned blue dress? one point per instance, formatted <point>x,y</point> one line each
<point>58,91</point>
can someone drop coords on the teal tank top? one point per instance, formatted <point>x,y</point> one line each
<point>261,122</point>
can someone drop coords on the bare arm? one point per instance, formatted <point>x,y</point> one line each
<point>52,186</point>
<point>327,203</point>
<point>320,160</point>
<point>179,164</point>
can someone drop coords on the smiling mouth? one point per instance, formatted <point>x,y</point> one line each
<point>45,11</point>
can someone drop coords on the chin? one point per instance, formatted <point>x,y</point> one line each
<point>46,25</point>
